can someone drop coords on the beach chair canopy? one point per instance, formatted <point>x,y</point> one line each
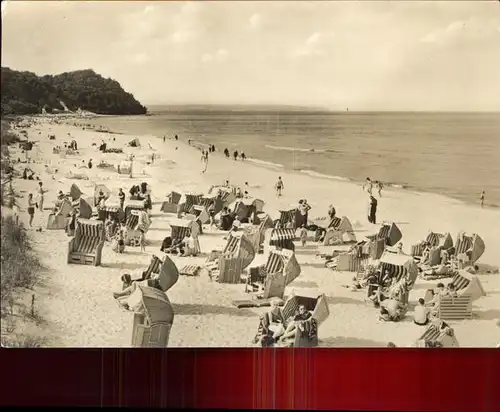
<point>153,303</point>
<point>135,143</point>
<point>283,234</point>
<point>399,266</point>
<point>103,189</point>
<point>75,192</point>
<point>174,197</point>
<point>181,223</point>
<point>443,240</point>
<point>390,232</point>
<point>472,245</point>
<point>169,274</point>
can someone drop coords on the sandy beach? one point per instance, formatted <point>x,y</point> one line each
<point>77,300</point>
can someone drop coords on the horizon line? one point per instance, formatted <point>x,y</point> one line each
<point>310,108</point>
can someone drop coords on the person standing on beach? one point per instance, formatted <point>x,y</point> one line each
<point>41,192</point>
<point>90,164</point>
<point>243,157</point>
<point>31,208</point>
<point>164,138</point>
<point>235,154</point>
<point>204,158</point>
<point>142,241</point>
<point>372,210</point>
<point>131,165</point>
<point>482,198</point>
<point>368,185</point>
<point>279,186</point>
<point>379,187</point>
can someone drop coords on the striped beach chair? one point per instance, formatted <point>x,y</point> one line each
<point>287,216</point>
<point>180,229</point>
<point>390,233</point>
<point>86,247</point>
<point>455,308</point>
<point>341,229</point>
<point>283,238</point>
<point>443,335</point>
<point>402,268</point>
<point>137,221</point>
<point>236,256</point>
<point>465,284</point>
<point>131,205</point>
<point>188,200</point>
<point>283,261</point>
<point>470,245</point>
<point>443,240</point>
<point>319,309</point>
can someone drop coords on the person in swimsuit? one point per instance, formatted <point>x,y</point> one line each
<point>31,208</point>
<point>279,186</point>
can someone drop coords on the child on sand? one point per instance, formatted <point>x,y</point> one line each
<point>482,198</point>
<point>379,188</point>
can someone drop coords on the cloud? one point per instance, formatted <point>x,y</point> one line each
<point>219,56</point>
<point>314,45</point>
<point>255,21</point>
<point>471,29</point>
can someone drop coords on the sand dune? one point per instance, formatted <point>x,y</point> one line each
<point>78,300</point>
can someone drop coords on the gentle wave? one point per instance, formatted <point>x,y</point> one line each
<point>298,149</point>
<point>312,173</point>
<point>265,164</point>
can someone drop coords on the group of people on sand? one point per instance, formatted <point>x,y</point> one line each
<point>36,204</point>
<point>236,154</point>
<point>275,329</point>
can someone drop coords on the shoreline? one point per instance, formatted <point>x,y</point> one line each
<point>388,186</point>
<point>76,297</point>
<point>297,176</point>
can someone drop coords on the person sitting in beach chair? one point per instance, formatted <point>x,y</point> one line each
<point>166,244</point>
<point>126,281</point>
<point>451,291</point>
<point>297,323</point>
<point>152,282</point>
<point>271,326</point>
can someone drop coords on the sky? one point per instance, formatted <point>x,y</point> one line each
<point>414,55</point>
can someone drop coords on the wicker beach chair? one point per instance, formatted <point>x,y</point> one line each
<point>465,284</point>
<point>470,245</point>
<point>153,317</point>
<point>170,205</point>
<point>59,219</point>
<point>455,308</point>
<point>440,334</point>
<point>86,247</point>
